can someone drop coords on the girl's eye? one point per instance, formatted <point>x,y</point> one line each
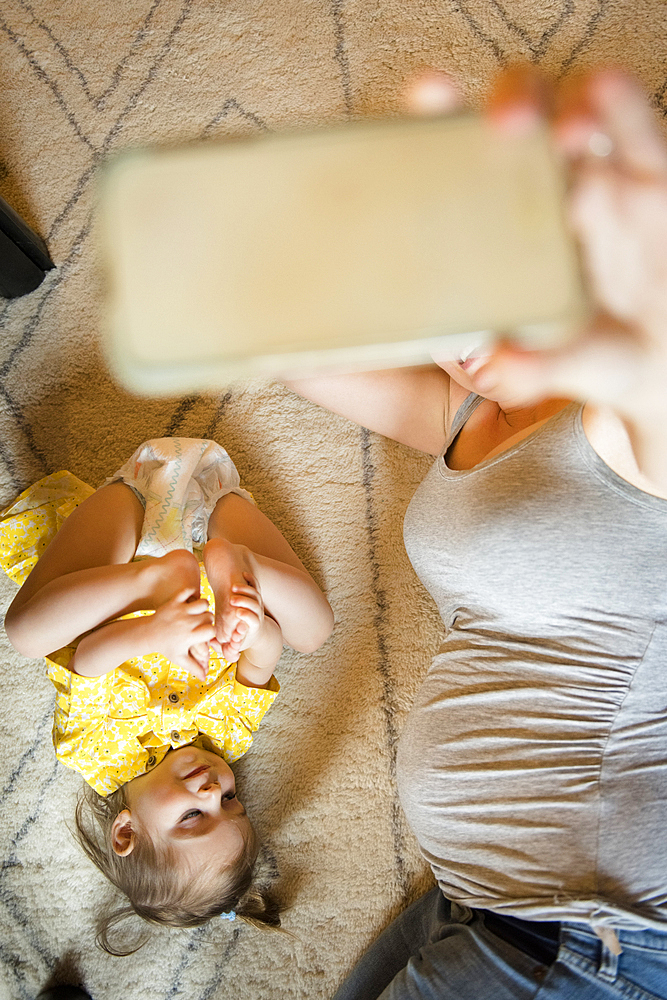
<point>189,815</point>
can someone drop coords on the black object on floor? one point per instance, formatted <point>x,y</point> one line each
<point>64,993</point>
<point>24,259</point>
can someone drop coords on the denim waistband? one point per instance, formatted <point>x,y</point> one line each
<point>648,938</point>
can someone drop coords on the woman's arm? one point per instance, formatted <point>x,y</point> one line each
<point>617,158</point>
<point>406,404</point>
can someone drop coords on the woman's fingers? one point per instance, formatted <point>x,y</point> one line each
<point>432,93</point>
<point>626,116</point>
<point>606,363</point>
<point>520,98</point>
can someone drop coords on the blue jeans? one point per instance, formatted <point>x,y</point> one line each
<point>434,951</point>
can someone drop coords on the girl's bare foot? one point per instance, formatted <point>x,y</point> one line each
<point>168,575</point>
<point>227,565</point>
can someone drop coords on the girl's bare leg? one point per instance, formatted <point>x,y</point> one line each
<point>85,576</point>
<point>243,540</point>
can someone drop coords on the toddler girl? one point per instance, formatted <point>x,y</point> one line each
<point>167,596</point>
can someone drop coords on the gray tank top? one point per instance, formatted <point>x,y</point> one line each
<point>533,765</point>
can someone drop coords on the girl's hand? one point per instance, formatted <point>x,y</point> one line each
<point>182,629</point>
<point>249,609</point>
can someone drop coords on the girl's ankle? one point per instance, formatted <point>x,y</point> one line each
<point>168,575</point>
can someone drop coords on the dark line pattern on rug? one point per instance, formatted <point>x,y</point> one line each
<point>25,427</point>
<point>380,602</point>
<point>44,76</point>
<point>52,283</point>
<point>585,40</point>
<point>198,938</point>
<point>185,9</point>
<point>27,755</point>
<point>461,9</point>
<point>8,897</point>
<point>11,469</point>
<point>658,99</point>
<point>538,49</point>
<point>17,963</point>
<point>232,104</point>
<point>193,946</point>
<point>182,410</point>
<point>97,102</point>
<point>210,430</point>
<point>340,52</point>
<point>85,177</point>
<point>220,972</point>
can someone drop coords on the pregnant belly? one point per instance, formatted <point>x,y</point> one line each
<point>510,780</point>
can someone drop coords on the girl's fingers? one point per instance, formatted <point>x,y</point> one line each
<point>193,666</point>
<point>248,591</point>
<point>239,632</point>
<point>183,596</point>
<point>203,632</point>
<point>249,602</point>
<point>248,614</point>
<point>198,607</point>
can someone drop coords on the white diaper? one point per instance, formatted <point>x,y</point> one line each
<point>178,481</point>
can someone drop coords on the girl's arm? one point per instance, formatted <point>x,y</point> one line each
<point>179,629</point>
<point>406,404</point>
<point>110,645</point>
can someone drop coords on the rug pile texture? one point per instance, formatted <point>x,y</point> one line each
<point>79,81</point>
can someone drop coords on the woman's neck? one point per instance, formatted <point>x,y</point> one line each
<point>517,418</point>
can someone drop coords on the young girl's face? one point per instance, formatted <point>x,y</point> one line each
<point>187,803</point>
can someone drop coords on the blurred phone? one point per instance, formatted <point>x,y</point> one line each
<point>356,246</point>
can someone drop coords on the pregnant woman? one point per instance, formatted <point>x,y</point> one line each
<point>533,766</point>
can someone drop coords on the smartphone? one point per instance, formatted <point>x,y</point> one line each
<point>356,246</point>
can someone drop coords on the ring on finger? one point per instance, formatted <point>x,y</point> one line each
<point>600,145</point>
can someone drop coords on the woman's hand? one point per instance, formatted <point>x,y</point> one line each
<point>617,163</point>
<point>181,629</point>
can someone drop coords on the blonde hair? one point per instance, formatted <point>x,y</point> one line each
<point>158,890</point>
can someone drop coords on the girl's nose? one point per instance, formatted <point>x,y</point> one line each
<point>208,786</point>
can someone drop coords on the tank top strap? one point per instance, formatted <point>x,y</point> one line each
<point>467,407</point>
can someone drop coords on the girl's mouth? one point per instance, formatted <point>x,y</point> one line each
<point>197,770</point>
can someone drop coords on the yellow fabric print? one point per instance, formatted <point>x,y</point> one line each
<point>115,727</point>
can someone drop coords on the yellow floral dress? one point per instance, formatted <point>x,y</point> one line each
<point>115,727</point>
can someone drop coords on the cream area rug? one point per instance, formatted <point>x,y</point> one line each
<point>82,79</point>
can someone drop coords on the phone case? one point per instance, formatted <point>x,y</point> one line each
<point>357,246</point>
